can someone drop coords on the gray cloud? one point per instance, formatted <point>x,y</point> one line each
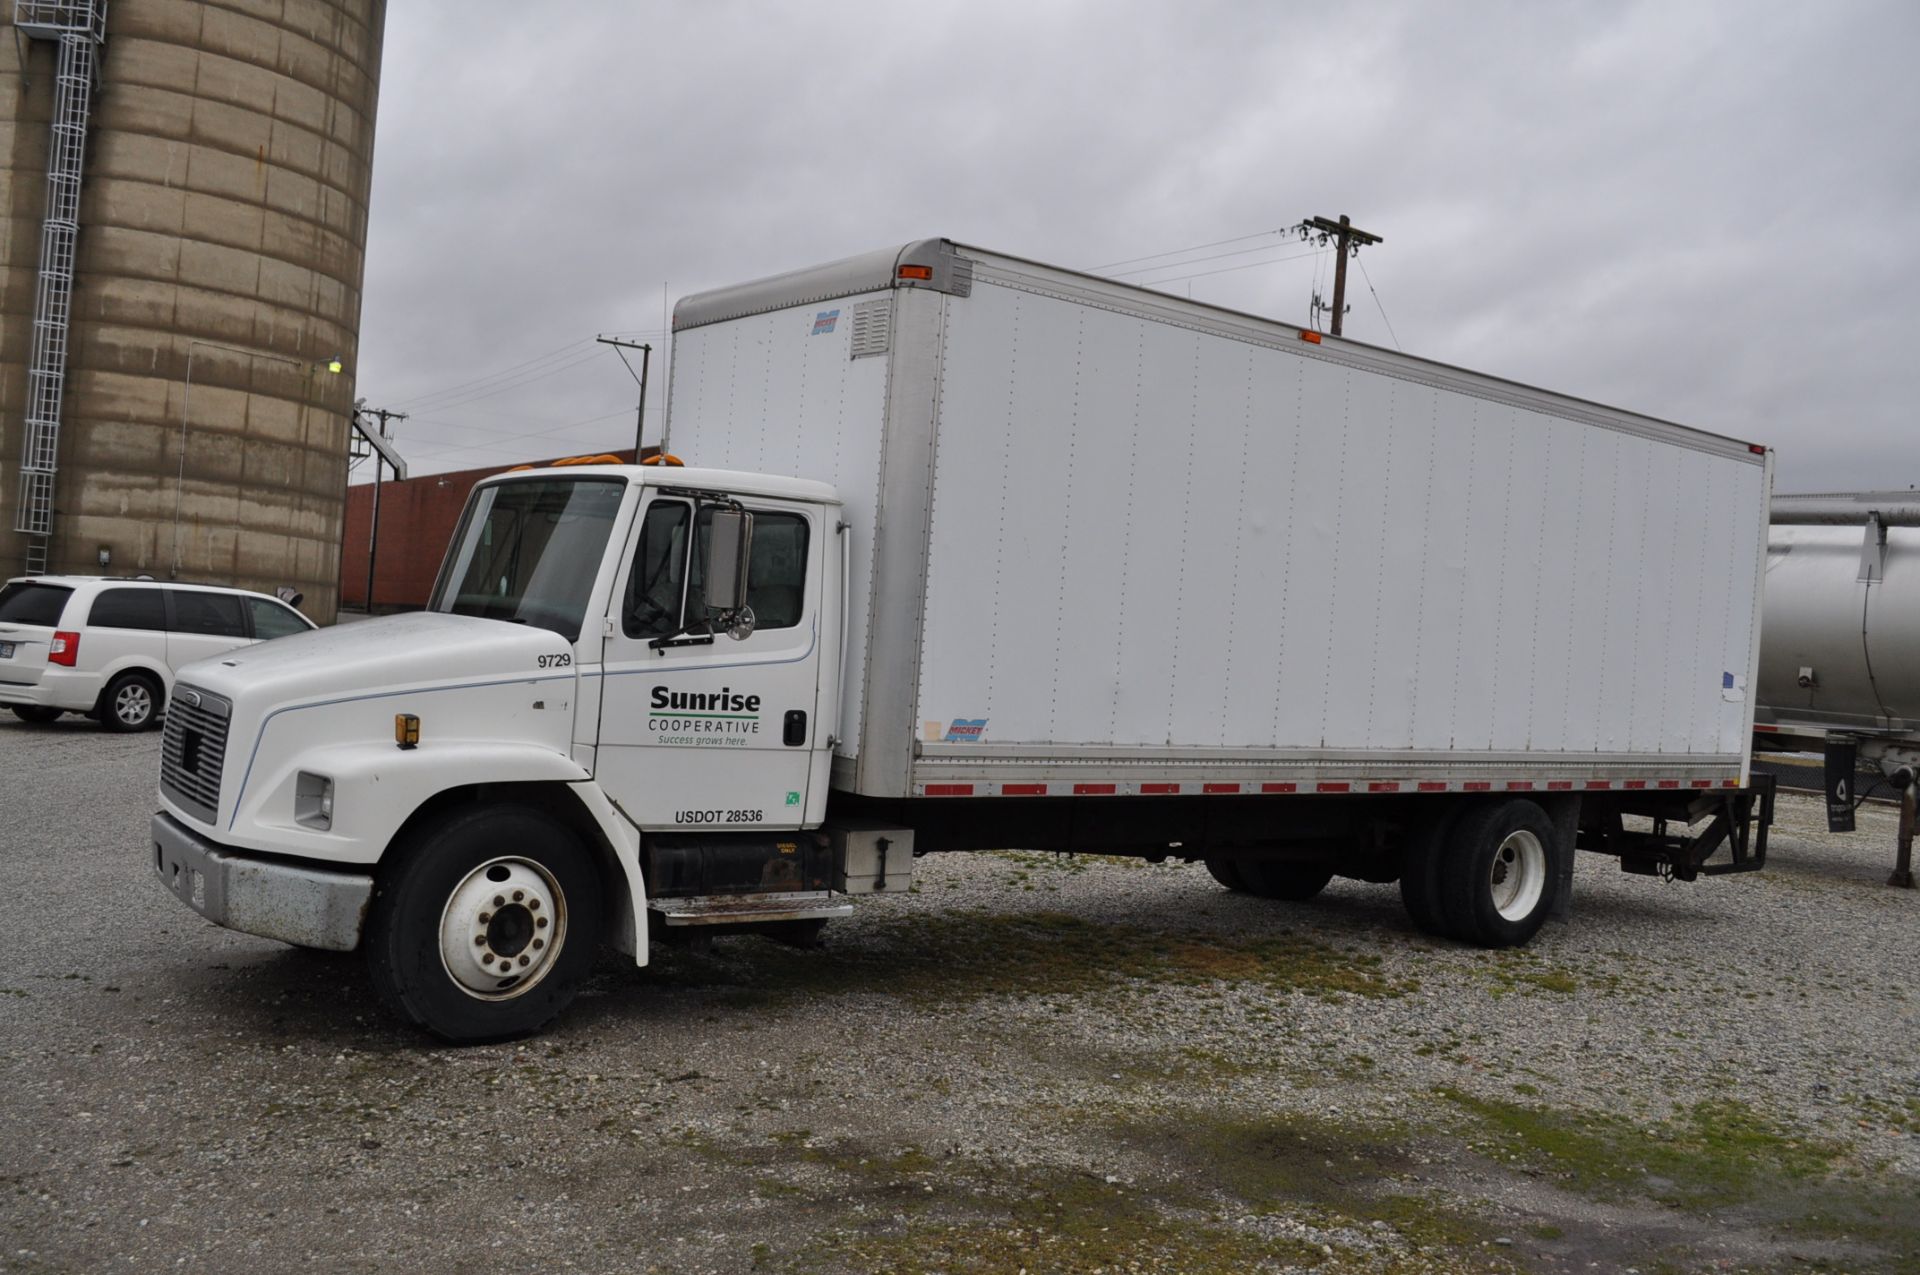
<point>1698,211</point>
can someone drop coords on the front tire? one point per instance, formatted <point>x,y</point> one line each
<point>131,702</point>
<point>1497,877</point>
<point>35,714</point>
<point>488,925</point>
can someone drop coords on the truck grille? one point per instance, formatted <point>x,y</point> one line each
<point>194,749</point>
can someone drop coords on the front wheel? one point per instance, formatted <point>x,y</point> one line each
<point>487,926</point>
<point>36,714</point>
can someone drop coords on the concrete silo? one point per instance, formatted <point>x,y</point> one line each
<point>214,246</point>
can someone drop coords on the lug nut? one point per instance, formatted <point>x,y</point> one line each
<point>540,921</point>
<point>479,940</point>
<point>487,959</point>
<point>499,900</point>
<point>523,960</point>
<point>538,944</point>
<point>485,917</point>
<point>535,905</point>
<point>519,895</point>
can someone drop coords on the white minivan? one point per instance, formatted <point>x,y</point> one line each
<point>108,647</point>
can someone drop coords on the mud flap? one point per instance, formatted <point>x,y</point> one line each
<point>1565,813</point>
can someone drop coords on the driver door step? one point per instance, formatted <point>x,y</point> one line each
<point>752,909</point>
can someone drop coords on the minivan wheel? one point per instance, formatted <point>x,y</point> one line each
<point>36,714</point>
<point>131,702</point>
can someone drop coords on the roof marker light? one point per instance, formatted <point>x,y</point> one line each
<point>917,272</point>
<point>1311,338</point>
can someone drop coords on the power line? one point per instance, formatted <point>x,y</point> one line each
<point>459,386</point>
<point>1153,256</point>
<point>1191,261</point>
<point>567,365</point>
<point>536,433</point>
<point>1247,265</point>
<point>1376,301</point>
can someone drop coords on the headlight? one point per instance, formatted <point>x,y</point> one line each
<point>313,801</point>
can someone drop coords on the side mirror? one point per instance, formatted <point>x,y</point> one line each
<point>729,546</point>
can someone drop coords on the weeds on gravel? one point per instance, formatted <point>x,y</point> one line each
<point>962,957</point>
<point>1337,1174</point>
<point>1714,1153</point>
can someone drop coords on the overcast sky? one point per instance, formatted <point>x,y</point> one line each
<point>1704,212</point>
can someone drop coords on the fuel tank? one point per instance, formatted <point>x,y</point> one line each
<point>1840,630</point>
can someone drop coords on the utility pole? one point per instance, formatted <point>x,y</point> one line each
<point>1350,239</point>
<point>373,530</point>
<point>646,358</point>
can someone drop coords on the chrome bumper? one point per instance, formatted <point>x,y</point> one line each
<point>307,907</point>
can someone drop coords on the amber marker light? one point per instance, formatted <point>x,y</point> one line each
<point>406,730</point>
<point>1311,338</point>
<point>916,272</point>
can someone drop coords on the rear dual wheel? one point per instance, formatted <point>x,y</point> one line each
<point>1484,875</point>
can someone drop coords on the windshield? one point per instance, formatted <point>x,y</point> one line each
<point>527,551</point>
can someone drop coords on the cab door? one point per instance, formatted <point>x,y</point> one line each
<point>710,730</point>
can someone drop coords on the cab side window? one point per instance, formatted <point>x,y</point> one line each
<point>652,604</point>
<point>129,609</point>
<point>663,576</point>
<point>207,614</point>
<point>777,574</point>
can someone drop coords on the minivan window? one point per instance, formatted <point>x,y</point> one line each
<point>30,602</point>
<point>207,614</point>
<point>271,620</point>
<point>128,609</point>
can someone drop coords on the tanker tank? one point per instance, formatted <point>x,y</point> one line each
<point>1840,647</point>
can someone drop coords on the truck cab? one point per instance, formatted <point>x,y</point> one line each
<point>610,653</point>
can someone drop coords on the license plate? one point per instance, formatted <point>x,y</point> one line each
<point>6,650</point>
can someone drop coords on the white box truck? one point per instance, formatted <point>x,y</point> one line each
<point>970,552</point>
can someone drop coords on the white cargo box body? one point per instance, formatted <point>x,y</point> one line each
<point>1110,542</point>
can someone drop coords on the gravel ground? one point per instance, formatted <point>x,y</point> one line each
<point>1032,1063</point>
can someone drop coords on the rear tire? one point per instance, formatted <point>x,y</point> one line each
<point>1420,873</point>
<point>35,714</point>
<point>1497,880</point>
<point>1227,873</point>
<point>1294,882</point>
<point>131,702</point>
<point>487,926</point>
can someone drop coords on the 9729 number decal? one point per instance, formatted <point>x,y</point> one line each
<point>561,660</point>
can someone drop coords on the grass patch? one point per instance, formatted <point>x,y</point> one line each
<point>966,956</point>
<point>1714,1153</point>
<point>1333,1174</point>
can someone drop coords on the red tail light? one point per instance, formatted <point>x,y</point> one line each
<point>65,649</point>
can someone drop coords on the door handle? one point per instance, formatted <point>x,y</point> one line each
<point>794,731</point>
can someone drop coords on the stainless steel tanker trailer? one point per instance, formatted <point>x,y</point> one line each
<point>1840,645</point>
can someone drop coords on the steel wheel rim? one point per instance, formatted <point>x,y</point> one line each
<point>133,704</point>
<point>502,929</point>
<point>1518,875</point>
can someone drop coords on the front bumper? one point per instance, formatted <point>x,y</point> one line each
<point>307,907</point>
